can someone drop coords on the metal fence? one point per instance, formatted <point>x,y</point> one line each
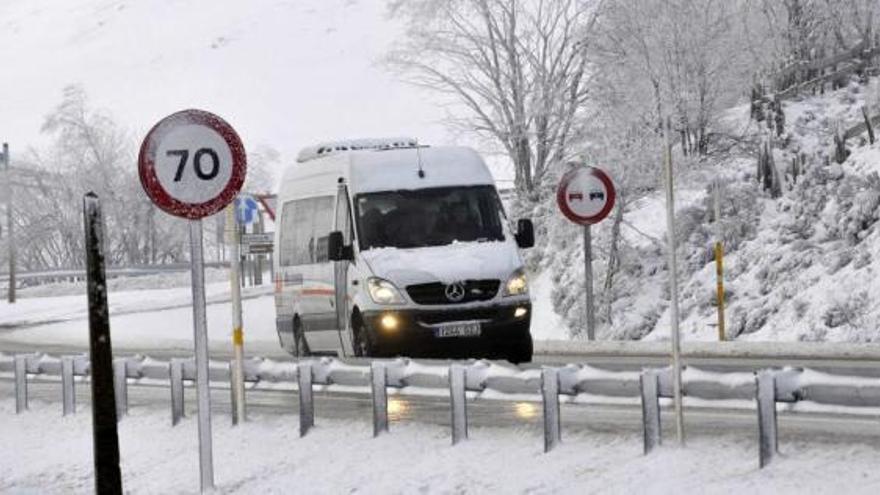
<point>73,274</point>
<point>546,384</point>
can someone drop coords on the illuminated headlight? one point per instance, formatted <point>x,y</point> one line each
<point>389,322</point>
<point>383,292</point>
<point>516,285</point>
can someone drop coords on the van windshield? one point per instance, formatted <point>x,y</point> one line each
<point>429,217</point>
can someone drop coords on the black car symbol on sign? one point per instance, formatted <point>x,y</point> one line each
<point>597,195</point>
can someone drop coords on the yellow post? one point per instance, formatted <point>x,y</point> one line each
<point>237,382</point>
<point>719,273</point>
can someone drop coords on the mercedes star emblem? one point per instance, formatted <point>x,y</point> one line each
<point>455,291</point>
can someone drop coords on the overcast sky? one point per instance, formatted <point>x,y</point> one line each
<point>284,73</point>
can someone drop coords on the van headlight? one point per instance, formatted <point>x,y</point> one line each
<point>516,285</point>
<point>383,291</point>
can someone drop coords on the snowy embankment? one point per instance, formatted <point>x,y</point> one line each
<point>806,269</point>
<point>155,312</point>
<point>267,456</point>
<point>145,313</point>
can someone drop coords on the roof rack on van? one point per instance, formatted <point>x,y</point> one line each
<point>323,149</point>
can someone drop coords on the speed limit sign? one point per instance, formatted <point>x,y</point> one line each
<point>192,164</point>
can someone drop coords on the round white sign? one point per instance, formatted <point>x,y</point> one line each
<point>585,195</point>
<point>192,164</point>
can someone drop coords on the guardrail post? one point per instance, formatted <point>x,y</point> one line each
<point>175,373</point>
<point>68,393</point>
<point>458,402</point>
<point>550,393</point>
<point>765,394</point>
<point>649,387</point>
<point>306,404</point>
<point>21,392</point>
<point>379,380</point>
<point>120,387</point>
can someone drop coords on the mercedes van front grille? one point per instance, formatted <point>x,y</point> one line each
<point>437,293</point>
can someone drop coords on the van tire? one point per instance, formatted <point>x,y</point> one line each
<point>300,346</point>
<point>363,344</point>
<point>522,351</point>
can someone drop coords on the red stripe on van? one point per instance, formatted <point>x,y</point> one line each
<point>317,292</point>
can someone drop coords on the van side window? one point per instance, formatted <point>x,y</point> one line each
<point>306,225</point>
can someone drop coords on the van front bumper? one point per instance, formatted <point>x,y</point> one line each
<point>503,333</point>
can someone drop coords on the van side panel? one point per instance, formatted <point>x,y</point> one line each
<point>304,274</point>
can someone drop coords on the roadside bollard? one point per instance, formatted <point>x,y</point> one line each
<point>550,394</point>
<point>378,380</point>
<point>21,392</point>
<point>649,387</point>
<point>120,387</point>
<point>175,373</point>
<point>68,392</point>
<point>458,403</point>
<point>765,393</point>
<point>306,404</point>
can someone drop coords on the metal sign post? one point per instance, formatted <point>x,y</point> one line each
<point>10,225</point>
<point>586,196</point>
<point>192,164</point>
<point>673,284</point>
<point>588,277</point>
<point>200,334</point>
<point>719,262</point>
<point>232,238</point>
<point>105,438</point>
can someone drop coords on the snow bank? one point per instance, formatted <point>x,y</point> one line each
<point>158,319</point>
<point>47,454</point>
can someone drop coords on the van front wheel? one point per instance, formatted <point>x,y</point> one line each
<point>363,343</point>
<point>522,351</point>
<point>300,346</point>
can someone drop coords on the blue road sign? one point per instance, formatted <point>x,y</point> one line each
<point>246,209</point>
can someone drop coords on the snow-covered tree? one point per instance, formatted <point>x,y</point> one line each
<point>517,71</point>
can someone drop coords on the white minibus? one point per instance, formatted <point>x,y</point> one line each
<point>390,248</point>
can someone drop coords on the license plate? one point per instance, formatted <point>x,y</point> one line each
<point>469,329</point>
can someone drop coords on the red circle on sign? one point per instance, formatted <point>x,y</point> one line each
<point>562,191</point>
<point>150,179</point>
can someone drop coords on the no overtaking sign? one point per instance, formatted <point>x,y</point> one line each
<point>586,196</point>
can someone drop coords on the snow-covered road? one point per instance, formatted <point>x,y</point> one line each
<point>601,452</point>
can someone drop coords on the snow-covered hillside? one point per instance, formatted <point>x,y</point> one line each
<point>799,267</point>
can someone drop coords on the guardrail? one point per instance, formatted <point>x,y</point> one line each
<point>775,352</point>
<point>807,74</point>
<point>129,271</point>
<point>765,387</point>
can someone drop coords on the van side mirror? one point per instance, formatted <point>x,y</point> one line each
<point>525,233</point>
<point>337,250</point>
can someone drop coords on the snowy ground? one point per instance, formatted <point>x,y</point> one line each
<point>339,456</point>
<point>144,316</point>
<point>154,318</point>
<point>546,323</point>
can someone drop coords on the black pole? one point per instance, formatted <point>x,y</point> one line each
<point>108,479</point>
